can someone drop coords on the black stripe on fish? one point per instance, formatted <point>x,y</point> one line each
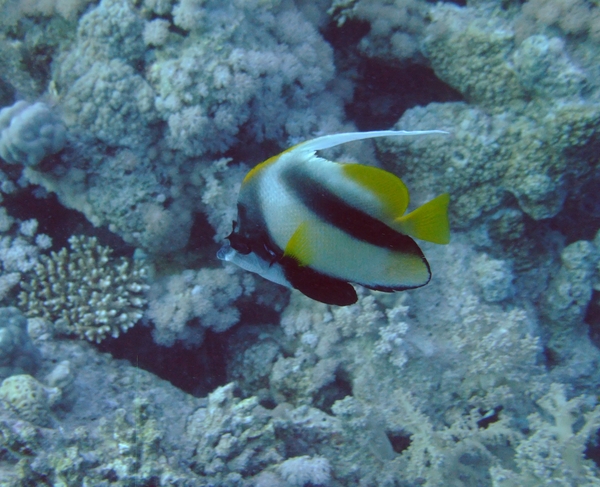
<point>334,210</point>
<point>252,233</point>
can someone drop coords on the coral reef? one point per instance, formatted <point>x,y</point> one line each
<point>17,352</point>
<point>28,133</point>
<point>85,291</point>
<point>20,247</point>
<point>206,296</point>
<point>555,449</point>
<point>396,27</point>
<point>99,102</point>
<point>28,398</point>
<point>145,117</point>
<point>216,85</point>
<point>264,69</point>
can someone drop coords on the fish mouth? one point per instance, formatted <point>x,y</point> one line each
<point>226,252</point>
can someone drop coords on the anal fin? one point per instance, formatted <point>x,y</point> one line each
<point>317,286</point>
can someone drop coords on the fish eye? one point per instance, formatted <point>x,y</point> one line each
<point>239,243</point>
<point>271,253</point>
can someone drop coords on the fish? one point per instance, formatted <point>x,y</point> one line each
<point>320,226</point>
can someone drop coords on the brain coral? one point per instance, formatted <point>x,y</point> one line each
<point>28,398</point>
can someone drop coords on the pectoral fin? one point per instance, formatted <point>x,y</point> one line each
<point>299,245</point>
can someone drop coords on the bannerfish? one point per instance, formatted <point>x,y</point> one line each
<point>317,226</point>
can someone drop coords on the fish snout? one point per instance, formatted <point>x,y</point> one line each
<point>226,252</point>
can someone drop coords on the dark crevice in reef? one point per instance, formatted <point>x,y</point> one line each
<point>550,357</point>
<point>335,391</point>
<point>201,249</point>
<point>196,371</point>
<point>399,442</point>
<point>59,222</point>
<point>7,94</point>
<point>460,3</point>
<point>579,218</point>
<point>592,318</point>
<point>383,93</point>
<point>592,450</point>
<point>346,36</point>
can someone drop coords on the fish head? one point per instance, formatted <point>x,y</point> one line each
<point>252,262</point>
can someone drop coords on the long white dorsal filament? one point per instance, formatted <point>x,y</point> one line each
<point>328,141</point>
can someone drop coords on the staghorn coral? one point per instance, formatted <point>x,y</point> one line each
<point>85,291</point>
<point>432,456</point>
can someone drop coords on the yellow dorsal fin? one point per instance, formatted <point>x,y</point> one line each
<point>298,246</point>
<point>263,165</point>
<point>389,189</point>
<point>259,167</point>
<point>428,222</point>
<point>333,140</point>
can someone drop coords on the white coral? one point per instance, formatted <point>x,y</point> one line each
<point>299,471</point>
<point>29,133</point>
<point>206,295</point>
<point>85,291</point>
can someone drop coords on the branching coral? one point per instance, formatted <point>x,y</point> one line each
<point>206,295</point>
<point>85,291</point>
<point>255,66</point>
<point>396,27</point>
<point>554,452</point>
<point>19,251</point>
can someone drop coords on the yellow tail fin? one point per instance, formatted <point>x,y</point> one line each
<point>428,222</point>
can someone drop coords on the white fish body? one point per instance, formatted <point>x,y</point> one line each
<point>317,225</point>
